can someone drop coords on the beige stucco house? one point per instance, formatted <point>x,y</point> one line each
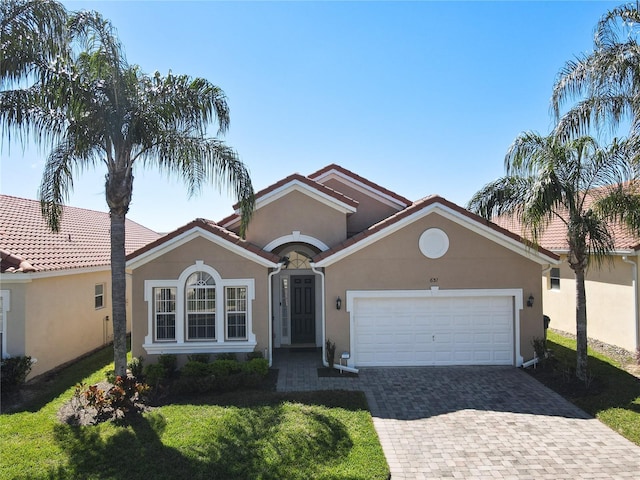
<point>55,297</point>
<point>612,290</point>
<point>334,256</point>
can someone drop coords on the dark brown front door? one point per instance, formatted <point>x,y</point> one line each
<point>303,310</point>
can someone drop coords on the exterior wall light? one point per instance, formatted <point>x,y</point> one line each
<point>530,301</point>
<point>338,303</point>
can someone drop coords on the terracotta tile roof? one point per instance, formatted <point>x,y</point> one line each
<point>211,227</point>
<point>360,179</point>
<point>291,178</point>
<point>554,237</point>
<point>27,245</point>
<point>416,207</point>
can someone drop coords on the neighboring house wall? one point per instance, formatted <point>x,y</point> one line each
<point>14,295</point>
<point>169,267</point>
<point>60,322</point>
<point>396,263</point>
<point>611,309</point>
<point>297,212</point>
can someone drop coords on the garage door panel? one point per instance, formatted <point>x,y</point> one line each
<point>433,331</point>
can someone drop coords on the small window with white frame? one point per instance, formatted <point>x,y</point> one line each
<point>165,313</point>
<point>554,279</point>
<point>236,312</point>
<point>98,295</point>
<point>200,298</point>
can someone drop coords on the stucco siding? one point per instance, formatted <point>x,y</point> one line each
<point>59,321</point>
<point>610,302</point>
<point>169,267</point>
<point>370,211</point>
<point>297,212</point>
<point>396,263</point>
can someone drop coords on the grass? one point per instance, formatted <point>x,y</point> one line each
<point>613,395</point>
<point>240,435</point>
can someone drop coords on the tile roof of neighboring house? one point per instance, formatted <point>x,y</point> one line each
<point>211,227</point>
<point>554,237</point>
<point>27,245</point>
<point>360,179</point>
<point>416,207</point>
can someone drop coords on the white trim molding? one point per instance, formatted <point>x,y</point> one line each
<point>298,186</point>
<point>192,234</point>
<point>181,344</point>
<point>456,217</point>
<point>296,237</point>
<point>5,295</point>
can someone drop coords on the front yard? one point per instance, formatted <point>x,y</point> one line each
<point>241,435</point>
<point>612,394</point>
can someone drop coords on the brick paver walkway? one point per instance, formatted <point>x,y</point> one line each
<point>474,422</point>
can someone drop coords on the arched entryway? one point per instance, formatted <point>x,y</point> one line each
<point>296,298</point>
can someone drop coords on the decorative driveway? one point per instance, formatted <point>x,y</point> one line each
<point>476,422</point>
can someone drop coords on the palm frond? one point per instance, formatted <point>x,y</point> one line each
<point>32,33</point>
<point>621,20</point>
<point>197,159</point>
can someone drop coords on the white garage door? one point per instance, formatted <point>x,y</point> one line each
<point>433,331</point>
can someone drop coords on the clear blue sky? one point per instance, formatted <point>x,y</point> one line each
<point>420,97</point>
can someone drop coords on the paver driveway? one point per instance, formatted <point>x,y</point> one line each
<point>478,422</point>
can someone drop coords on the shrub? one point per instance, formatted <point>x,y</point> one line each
<point>170,363</point>
<point>252,355</point>
<point>110,375</point>
<point>136,366</point>
<point>226,356</point>
<point>331,353</point>
<point>539,347</point>
<point>121,399</point>
<point>154,374</point>
<point>194,368</point>
<point>199,357</point>
<point>258,366</point>
<point>14,371</point>
<point>223,368</point>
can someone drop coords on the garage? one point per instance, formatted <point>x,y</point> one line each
<point>432,328</point>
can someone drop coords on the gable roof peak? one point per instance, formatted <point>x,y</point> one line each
<point>335,170</point>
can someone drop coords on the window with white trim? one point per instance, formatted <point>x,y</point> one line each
<point>200,296</point>
<point>98,295</point>
<point>554,279</point>
<point>165,313</point>
<point>199,312</point>
<point>236,312</point>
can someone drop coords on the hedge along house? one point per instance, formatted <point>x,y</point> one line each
<point>55,288</point>
<point>334,256</point>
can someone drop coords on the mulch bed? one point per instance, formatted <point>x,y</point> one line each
<point>332,372</point>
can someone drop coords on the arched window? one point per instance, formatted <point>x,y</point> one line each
<point>200,306</point>
<point>297,260</point>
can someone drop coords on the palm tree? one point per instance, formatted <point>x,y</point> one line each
<point>32,34</point>
<point>99,110</point>
<point>577,181</point>
<point>606,82</point>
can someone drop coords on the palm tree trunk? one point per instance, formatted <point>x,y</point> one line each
<point>118,292</point>
<point>581,326</point>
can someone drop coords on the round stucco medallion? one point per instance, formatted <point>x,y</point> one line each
<point>433,243</point>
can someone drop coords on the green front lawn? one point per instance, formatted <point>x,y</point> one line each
<point>613,395</point>
<point>242,435</point>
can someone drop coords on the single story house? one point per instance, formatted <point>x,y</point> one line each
<point>55,298</point>
<point>613,293</point>
<point>334,256</point>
